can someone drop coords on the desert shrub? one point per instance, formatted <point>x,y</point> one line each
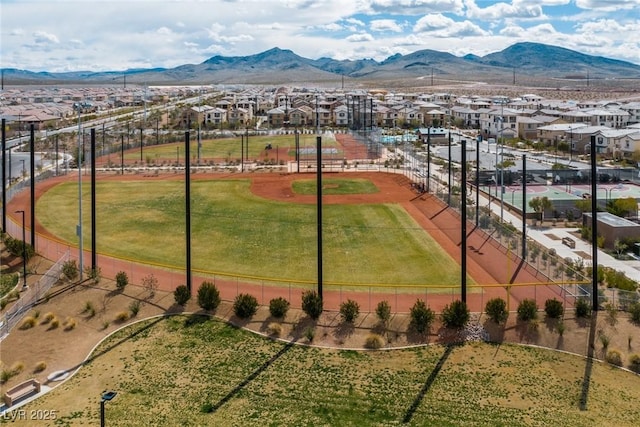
<point>17,367</point>
<point>278,307</point>
<point>89,309</point>
<point>122,280</point>
<point>105,324</point>
<point>134,307</point>
<point>5,375</point>
<point>93,273</point>
<point>28,323</point>
<point>312,304</point>
<point>527,310</point>
<point>208,296</point>
<point>40,366</point>
<point>349,310</point>
<point>54,323</point>
<point>274,329</point>
<point>70,269</point>
<point>605,339</point>
<point>421,317</point>
<point>245,306</point>
<point>383,311</point>
<point>310,334</point>
<point>69,324</point>
<point>456,314</point>
<point>560,328</point>
<point>496,309</point>
<point>553,308</point>
<point>123,316</point>
<point>3,303</point>
<point>181,295</point>
<point>583,308</point>
<point>634,363</point>
<point>36,314</point>
<point>614,357</point>
<point>207,408</point>
<point>374,341</point>
<point>634,311</point>
<point>48,317</point>
<point>150,283</point>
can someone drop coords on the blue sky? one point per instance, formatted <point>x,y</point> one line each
<point>98,35</point>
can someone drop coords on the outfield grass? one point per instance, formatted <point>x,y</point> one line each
<point>235,232</point>
<point>170,370</point>
<point>223,148</point>
<point>335,186</point>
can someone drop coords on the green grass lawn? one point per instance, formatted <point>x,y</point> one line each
<point>222,148</point>
<point>170,370</point>
<point>335,186</point>
<point>235,232</point>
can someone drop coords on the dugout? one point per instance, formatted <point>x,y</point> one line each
<point>612,227</point>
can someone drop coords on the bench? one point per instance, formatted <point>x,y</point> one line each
<point>569,242</point>
<point>21,390</point>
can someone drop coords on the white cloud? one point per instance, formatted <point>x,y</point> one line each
<point>441,26</point>
<point>608,5</point>
<point>499,11</point>
<point>42,37</point>
<point>360,37</point>
<point>385,25</point>
<point>412,7</point>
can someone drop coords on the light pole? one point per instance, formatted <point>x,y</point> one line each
<point>24,254</point>
<point>106,397</point>
<point>512,191</point>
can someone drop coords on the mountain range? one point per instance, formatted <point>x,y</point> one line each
<point>530,62</point>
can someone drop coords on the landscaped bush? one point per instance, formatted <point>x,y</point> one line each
<point>527,310</point>
<point>634,363</point>
<point>134,307</point>
<point>122,280</point>
<point>312,304</point>
<point>349,310</point>
<point>614,357</point>
<point>553,308</point>
<point>93,273</point>
<point>123,316</point>
<point>309,334</point>
<point>274,329</point>
<point>208,296</point>
<point>54,323</point>
<point>17,248</point>
<point>421,317</point>
<point>634,311</point>
<point>456,314</point>
<point>374,341</point>
<point>70,269</point>
<point>40,366</point>
<point>245,306</point>
<point>28,322</point>
<point>496,309</point>
<point>583,308</point>
<point>383,311</point>
<point>181,295</point>
<point>278,307</point>
<point>48,317</point>
<point>89,309</point>
<point>69,324</point>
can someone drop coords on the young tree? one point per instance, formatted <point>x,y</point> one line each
<point>540,204</point>
<point>122,280</point>
<point>421,317</point>
<point>349,310</point>
<point>181,295</point>
<point>208,296</point>
<point>383,311</point>
<point>456,314</point>
<point>312,304</point>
